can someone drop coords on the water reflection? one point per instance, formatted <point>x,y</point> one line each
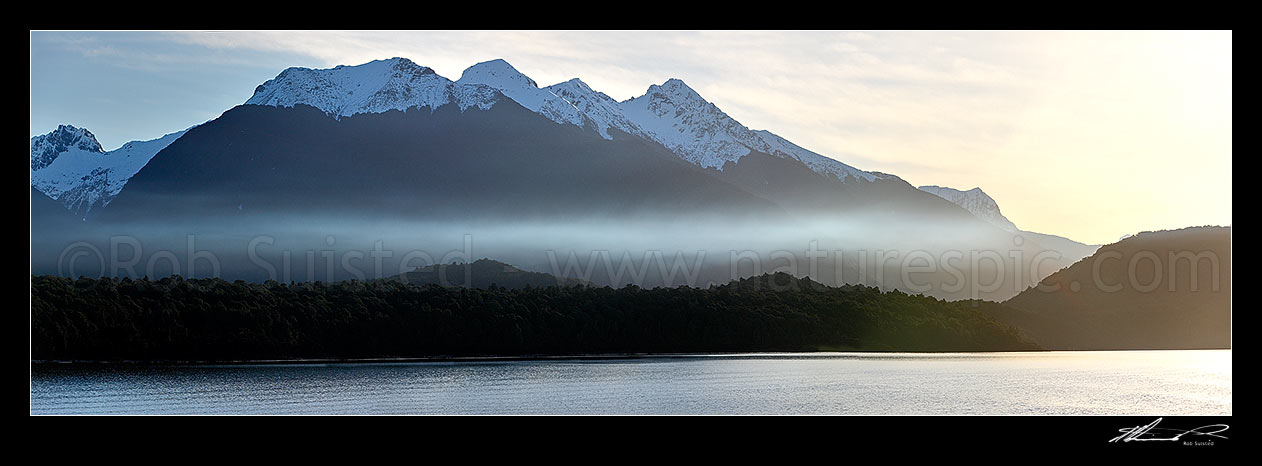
<point>1115,382</point>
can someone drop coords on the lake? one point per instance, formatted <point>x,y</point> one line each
<point>1038,383</point>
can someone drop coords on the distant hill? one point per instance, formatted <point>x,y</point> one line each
<point>1154,290</point>
<point>482,273</point>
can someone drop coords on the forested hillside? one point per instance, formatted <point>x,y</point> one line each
<point>212,319</point>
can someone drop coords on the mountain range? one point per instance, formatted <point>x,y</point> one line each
<point>391,140</point>
<point>671,114</point>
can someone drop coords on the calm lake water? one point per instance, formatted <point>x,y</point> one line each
<point>1111,383</point>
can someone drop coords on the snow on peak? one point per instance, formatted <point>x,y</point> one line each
<point>501,76</point>
<point>672,113</point>
<point>770,143</point>
<point>579,85</point>
<point>678,117</point>
<point>373,87</point>
<point>976,201</point>
<point>678,89</point>
<point>603,111</point>
<point>83,176</point>
<point>399,84</point>
<point>46,148</point>
<point>496,73</point>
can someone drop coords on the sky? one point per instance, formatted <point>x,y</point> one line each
<point>1090,135</point>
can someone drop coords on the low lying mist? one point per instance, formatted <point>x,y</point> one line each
<point>938,258</point>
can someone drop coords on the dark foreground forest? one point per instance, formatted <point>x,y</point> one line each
<point>176,319</point>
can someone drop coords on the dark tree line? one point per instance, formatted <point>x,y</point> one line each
<point>212,319</point>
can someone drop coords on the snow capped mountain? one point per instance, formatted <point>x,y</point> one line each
<point>501,76</point>
<point>674,115</point>
<point>70,166</point>
<point>767,142</point>
<point>374,87</point>
<point>399,84</point>
<point>678,118</point>
<point>984,207</point>
<point>976,201</point>
<point>671,114</point>
<point>46,148</point>
<point>602,110</point>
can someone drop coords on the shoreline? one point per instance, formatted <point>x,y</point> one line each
<point>562,357</point>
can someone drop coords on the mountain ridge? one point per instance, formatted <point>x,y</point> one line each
<point>47,147</point>
<point>980,204</point>
<point>70,166</point>
<point>671,113</point>
<point>976,201</point>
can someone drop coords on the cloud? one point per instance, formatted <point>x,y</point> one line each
<point>152,52</point>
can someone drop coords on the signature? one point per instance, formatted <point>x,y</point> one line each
<point>1152,433</point>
